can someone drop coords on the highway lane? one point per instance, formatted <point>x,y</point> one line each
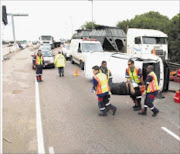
<point>71,124</point>
<point>69,111</point>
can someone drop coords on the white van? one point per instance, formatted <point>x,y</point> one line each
<point>80,48</point>
<point>117,63</point>
<point>142,41</point>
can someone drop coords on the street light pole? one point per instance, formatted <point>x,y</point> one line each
<point>92,14</point>
<point>13,27</point>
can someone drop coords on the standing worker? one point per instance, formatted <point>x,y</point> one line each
<point>134,74</point>
<point>100,84</point>
<point>38,62</point>
<point>60,63</point>
<point>105,70</point>
<point>151,90</point>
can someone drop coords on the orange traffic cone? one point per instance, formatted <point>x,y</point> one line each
<point>154,51</point>
<point>177,97</point>
<point>76,72</point>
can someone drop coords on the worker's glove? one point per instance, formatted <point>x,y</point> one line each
<point>144,93</point>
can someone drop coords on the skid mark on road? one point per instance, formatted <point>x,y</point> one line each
<point>171,133</point>
<point>39,121</point>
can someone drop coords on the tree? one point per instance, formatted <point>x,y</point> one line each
<point>88,25</point>
<point>149,20</point>
<point>174,39</point>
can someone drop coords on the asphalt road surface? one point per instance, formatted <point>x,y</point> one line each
<point>69,115</point>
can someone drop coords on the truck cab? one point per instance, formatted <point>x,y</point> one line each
<point>143,41</point>
<point>80,48</point>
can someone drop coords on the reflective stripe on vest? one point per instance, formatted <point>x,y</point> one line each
<point>39,60</point>
<point>102,86</point>
<point>134,75</point>
<point>153,85</point>
<point>108,75</point>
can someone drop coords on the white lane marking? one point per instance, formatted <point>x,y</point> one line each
<point>171,133</point>
<point>51,150</point>
<point>39,122</point>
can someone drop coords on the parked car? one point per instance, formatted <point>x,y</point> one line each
<point>66,51</point>
<point>45,48</point>
<point>48,58</point>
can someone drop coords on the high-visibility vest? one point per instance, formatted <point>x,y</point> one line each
<point>60,60</point>
<point>134,75</point>
<point>39,60</point>
<point>102,86</point>
<point>108,75</point>
<point>153,85</point>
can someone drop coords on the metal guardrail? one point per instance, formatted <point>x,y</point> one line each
<point>173,66</point>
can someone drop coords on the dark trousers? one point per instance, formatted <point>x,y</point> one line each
<point>61,70</point>
<point>39,71</point>
<point>103,103</point>
<point>137,96</point>
<point>148,102</point>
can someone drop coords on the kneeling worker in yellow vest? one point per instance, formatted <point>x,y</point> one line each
<point>60,63</point>
<point>152,90</point>
<point>100,85</point>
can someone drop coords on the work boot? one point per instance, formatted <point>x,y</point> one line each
<point>134,106</point>
<point>107,109</point>
<point>155,112</point>
<point>142,113</point>
<point>59,75</point>
<point>62,74</point>
<point>41,81</point>
<point>114,111</point>
<point>137,108</point>
<point>102,114</point>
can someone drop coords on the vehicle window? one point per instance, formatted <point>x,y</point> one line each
<point>46,54</point>
<point>45,48</point>
<point>137,40</point>
<point>46,37</point>
<point>154,40</point>
<point>68,47</point>
<point>87,47</point>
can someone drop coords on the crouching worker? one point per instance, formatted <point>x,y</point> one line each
<point>100,84</point>
<point>152,90</point>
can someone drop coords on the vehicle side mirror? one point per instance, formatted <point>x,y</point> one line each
<point>79,50</point>
<point>137,40</point>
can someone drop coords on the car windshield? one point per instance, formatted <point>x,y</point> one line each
<point>46,54</point>
<point>87,47</point>
<point>45,48</point>
<point>154,40</point>
<point>46,37</point>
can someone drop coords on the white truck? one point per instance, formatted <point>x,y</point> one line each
<point>117,63</point>
<point>44,39</point>
<point>80,48</point>
<point>142,41</point>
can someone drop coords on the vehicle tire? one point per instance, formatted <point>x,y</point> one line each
<point>72,62</point>
<point>82,65</point>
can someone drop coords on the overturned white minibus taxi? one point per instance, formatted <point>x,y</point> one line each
<point>117,63</point>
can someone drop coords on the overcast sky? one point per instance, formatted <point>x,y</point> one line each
<point>60,18</point>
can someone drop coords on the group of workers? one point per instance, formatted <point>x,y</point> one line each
<point>39,64</point>
<point>102,82</point>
